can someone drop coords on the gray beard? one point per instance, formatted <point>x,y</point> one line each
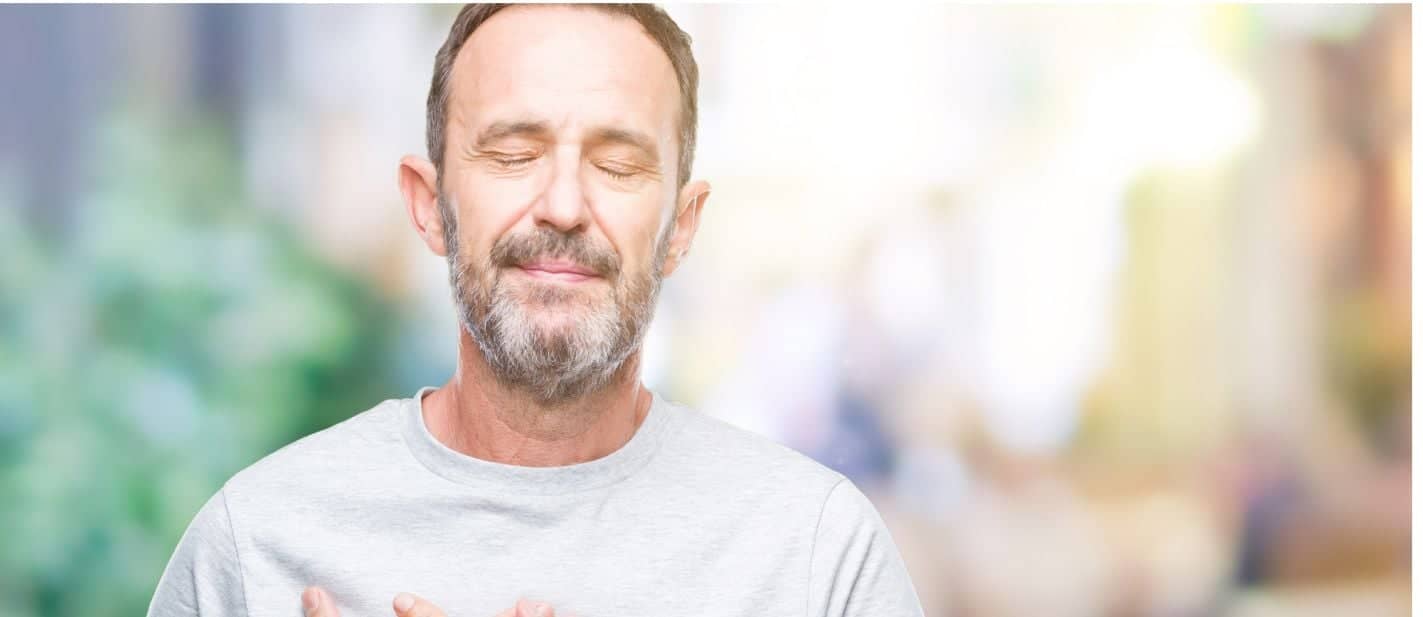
<point>561,362</point>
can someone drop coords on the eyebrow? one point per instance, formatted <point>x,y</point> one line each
<point>638,140</point>
<point>540,130</point>
<point>500,130</point>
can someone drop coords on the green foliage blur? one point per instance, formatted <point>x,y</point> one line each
<point>166,337</point>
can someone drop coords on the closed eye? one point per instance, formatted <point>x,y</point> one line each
<point>616,174</point>
<point>511,163</point>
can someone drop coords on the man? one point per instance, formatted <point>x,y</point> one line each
<point>543,477</point>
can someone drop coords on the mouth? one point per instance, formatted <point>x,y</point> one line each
<point>557,270</point>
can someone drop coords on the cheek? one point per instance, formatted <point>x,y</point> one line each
<point>631,226</point>
<point>487,212</point>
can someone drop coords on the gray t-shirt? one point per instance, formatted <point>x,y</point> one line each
<point>691,517</point>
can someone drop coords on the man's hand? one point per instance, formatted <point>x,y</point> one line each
<point>411,605</point>
<point>317,603</point>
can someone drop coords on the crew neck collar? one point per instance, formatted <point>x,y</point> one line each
<point>501,477</point>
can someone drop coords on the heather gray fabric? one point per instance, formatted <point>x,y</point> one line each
<point>691,517</point>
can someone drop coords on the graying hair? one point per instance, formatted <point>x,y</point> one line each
<point>584,362</point>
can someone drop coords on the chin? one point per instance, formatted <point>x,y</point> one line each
<point>549,326</point>
<point>557,319</point>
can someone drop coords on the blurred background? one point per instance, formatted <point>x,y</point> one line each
<point>1107,309</point>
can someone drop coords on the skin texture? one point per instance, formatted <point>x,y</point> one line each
<point>562,119</point>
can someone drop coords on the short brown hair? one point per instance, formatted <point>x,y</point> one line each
<point>654,21</point>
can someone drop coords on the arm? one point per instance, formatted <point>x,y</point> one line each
<point>855,568</point>
<point>203,578</point>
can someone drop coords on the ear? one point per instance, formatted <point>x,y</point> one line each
<point>684,226</point>
<point>420,188</point>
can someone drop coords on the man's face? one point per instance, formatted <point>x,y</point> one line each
<point>559,169</point>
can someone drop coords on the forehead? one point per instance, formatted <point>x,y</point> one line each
<point>564,65</point>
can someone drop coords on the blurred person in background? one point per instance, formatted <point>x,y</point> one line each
<point>558,189</point>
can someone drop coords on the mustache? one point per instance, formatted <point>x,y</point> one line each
<point>512,251</point>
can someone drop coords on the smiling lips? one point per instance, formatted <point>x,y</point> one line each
<point>558,270</point>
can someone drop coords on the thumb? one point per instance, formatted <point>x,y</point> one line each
<point>315,602</point>
<point>411,605</point>
<point>528,608</point>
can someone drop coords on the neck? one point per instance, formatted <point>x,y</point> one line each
<point>476,415</point>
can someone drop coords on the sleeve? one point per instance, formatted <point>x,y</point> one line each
<point>855,568</point>
<point>204,577</point>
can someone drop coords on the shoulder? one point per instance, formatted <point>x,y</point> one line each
<point>325,459</point>
<point>740,457</point>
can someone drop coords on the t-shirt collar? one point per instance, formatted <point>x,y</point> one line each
<point>505,478</point>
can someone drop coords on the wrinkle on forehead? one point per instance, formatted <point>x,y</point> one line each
<point>573,67</point>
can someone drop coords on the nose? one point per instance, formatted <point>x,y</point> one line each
<point>563,205</point>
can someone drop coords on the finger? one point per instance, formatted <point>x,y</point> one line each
<point>411,605</point>
<point>529,608</point>
<point>315,602</point>
<point>508,612</point>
